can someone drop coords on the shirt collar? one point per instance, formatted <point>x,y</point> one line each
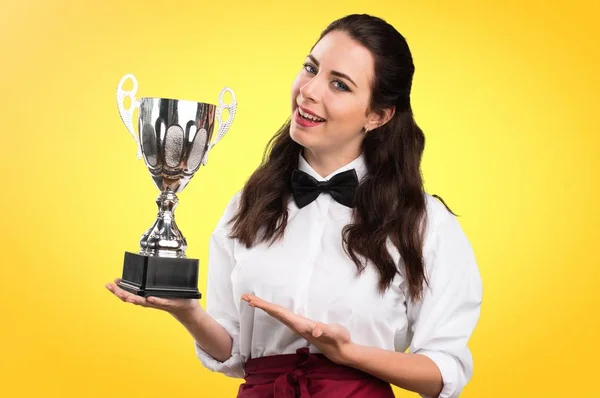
<point>358,164</point>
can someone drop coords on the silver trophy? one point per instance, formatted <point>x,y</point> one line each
<point>175,138</point>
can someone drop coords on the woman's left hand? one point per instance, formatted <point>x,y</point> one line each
<point>333,340</point>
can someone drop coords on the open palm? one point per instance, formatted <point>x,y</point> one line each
<point>332,339</point>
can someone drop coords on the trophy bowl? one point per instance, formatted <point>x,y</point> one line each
<point>174,138</point>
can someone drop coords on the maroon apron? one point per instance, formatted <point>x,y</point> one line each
<point>306,375</point>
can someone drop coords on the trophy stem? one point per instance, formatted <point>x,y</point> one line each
<point>164,239</point>
<point>161,268</point>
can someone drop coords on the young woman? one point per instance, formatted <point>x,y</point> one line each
<point>333,273</point>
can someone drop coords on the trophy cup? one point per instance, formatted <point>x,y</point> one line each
<point>174,141</point>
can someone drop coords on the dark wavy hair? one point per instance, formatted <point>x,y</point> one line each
<point>390,200</point>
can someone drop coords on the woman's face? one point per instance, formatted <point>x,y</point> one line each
<point>335,87</point>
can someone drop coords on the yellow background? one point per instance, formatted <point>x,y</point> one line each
<point>506,91</point>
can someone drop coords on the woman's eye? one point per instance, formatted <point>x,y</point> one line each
<point>340,86</point>
<point>310,69</point>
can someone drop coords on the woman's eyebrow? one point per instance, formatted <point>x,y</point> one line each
<point>333,72</point>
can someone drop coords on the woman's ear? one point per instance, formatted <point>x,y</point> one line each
<point>379,118</point>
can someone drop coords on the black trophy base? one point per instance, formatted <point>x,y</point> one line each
<point>160,276</point>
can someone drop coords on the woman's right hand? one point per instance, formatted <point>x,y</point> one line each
<point>175,306</point>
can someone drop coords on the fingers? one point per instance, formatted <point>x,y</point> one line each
<point>117,291</point>
<point>126,296</point>
<point>298,323</point>
<point>270,308</point>
<point>171,305</point>
<point>137,300</point>
<point>254,301</point>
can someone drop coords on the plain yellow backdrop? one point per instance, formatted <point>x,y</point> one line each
<point>507,93</point>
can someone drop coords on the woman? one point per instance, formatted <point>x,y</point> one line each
<point>332,273</point>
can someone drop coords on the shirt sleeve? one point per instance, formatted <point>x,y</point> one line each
<point>219,297</point>
<point>443,321</point>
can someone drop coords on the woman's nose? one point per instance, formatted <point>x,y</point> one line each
<point>311,90</point>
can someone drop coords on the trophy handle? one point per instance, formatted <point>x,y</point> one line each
<point>127,114</point>
<point>223,126</point>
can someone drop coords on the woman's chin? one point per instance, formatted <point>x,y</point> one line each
<point>299,136</point>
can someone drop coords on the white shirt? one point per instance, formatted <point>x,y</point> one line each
<point>309,273</point>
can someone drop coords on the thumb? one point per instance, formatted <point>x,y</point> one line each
<point>333,332</point>
<point>320,330</point>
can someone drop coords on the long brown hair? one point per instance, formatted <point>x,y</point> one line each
<point>390,200</point>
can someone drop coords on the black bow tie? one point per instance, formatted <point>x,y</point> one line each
<point>341,187</point>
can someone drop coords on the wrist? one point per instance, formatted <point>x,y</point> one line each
<point>185,315</point>
<point>352,354</point>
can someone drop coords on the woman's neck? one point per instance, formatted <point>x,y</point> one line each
<point>326,163</point>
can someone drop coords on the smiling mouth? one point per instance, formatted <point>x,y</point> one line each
<point>309,117</point>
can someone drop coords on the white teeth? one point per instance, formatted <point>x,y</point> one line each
<point>310,117</point>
